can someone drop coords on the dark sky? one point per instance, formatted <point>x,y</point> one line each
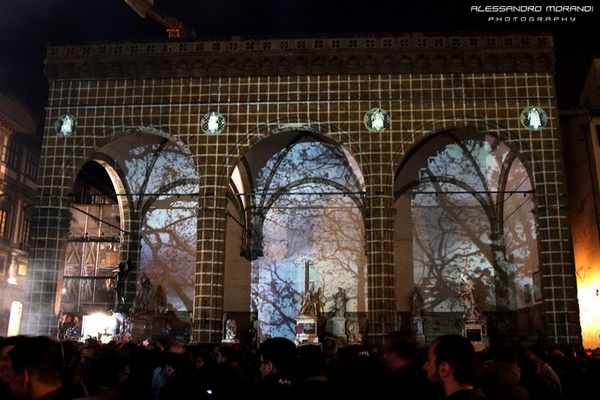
<point>27,26</point>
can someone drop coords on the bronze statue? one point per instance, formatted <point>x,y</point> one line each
<point>123,271</point>
<point>312,304</point>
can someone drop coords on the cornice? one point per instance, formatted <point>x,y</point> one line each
<point>399,54</point>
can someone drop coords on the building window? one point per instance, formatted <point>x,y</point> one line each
<point>2,265</point>
<point>25,234</point>
<point>3,224</point>
<point>22,269</point>
<point>31,165</point>
<point>14,321</point>
<point>12,156</point>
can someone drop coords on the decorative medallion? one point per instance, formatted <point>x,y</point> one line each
<point>65,125</point>
<point>376,120</point>
<point>534,118</point>
<point>213,123</point>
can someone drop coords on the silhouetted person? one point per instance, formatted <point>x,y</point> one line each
<point>277,369</point>
<point>538,377</point>
<point>402,371</point>
<point>38,366</point>
<point>502,375</point>
<point>7,372</point>
<point>450,361</point>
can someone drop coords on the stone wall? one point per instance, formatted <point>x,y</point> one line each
<point>426,84</point>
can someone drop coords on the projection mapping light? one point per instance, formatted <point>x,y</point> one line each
<point>534,118</point>
<point>65,125</point>
<point>213,123</point>
<point>376,120</point>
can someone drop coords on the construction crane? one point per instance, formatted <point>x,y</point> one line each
<point>145,8</point>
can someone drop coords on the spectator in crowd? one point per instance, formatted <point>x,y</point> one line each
<point>7,372</point>
<point>402,368</point>
<point>111,369</point>
<point>277,361</point>
<point>38,369</point>
<point>450,362</point>
<point>538,377</point>
<point>501,376</point>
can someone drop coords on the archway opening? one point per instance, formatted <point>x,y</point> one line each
<point>153,188</point>
<point>465,237</point>
<point>93,246</point>
<point>301,202</point>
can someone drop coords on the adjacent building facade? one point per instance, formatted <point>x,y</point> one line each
<point>18,171</point>
<point>581,137</point>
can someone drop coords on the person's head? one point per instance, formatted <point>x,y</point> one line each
<point>177,348</point>
<point>6,369</point>
<point>38,367</point>
<point>277,356</point>
<point>450,360</point>
<point>224,355</point>
<point>399,350</point>
<point>200,360</point>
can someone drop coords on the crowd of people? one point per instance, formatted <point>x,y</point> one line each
<point>40,368</point>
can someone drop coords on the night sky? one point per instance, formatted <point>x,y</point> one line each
<point>27,26</point>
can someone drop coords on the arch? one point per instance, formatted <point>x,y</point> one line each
<point>487,172</point>
<point>472,126</point>
<point>299,158</point>
<point>119,183</point>
<point>327,182</point>
<point>115,135</point>
<point>145,165</point>
<point>324,131</point>
<point>98,223</point>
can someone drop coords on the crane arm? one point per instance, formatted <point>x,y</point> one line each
<point>145,8</point>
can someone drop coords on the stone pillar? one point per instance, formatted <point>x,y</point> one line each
<point>561,309</point>
<point>379,228</point>
<point>130,250</point>
<point>50,227</point>
<point>207,324</point>
<point>403,253</point>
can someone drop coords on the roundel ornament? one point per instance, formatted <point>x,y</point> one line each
<point>213,123</point>
<point>534,118</point>
<point>376,120</point>
<point>65,125</point>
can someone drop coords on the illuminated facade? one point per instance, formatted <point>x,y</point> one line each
<point>386,166</point>
<point>18,169</point>
<point>581,136</point>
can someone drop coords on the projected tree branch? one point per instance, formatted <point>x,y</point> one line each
<point>307,207</point>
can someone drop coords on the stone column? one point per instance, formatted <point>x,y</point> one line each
<point>379,228</point>
<point>207,324</point>
<point>50,227</point>
<point>561,309</point>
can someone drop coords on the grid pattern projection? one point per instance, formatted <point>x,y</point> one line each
<point>255,107</point>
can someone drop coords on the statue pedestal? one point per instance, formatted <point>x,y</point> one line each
<point>476,331</point>
<point>353,332</point>
<point>306,330</point>
<point>337,326</point>
<point>417,323</point>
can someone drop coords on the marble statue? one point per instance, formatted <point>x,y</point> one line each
<point>353,332</point>
<point>144,294</point>
<point>230,331</point>
<point>533,118</point>
<point>341,299</point>
<point>416,303</point>
<point>377,120</point>
<point>468,298</point>
<point>66,127</point>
